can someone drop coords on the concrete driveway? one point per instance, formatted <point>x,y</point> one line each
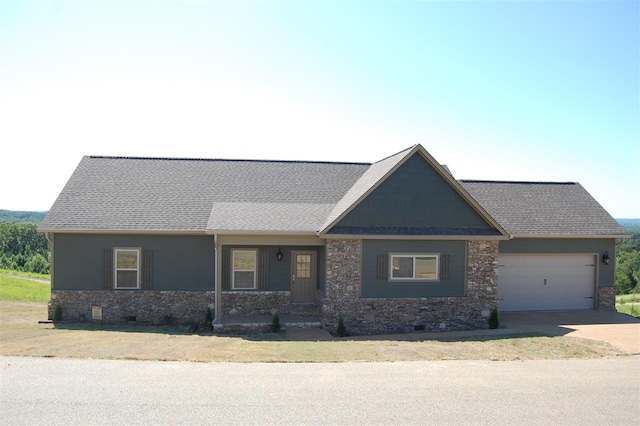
<point>620,330</point>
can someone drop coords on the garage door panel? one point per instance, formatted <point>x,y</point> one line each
<point>546,282</point>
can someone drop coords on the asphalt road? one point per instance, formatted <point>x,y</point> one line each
<point>67,391</point>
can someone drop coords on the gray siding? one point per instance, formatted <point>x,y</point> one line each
<point>606,273</point>
<point>180,262</point>
<point>280,271</point>
<point>414,196</point>
<point>375,288</point>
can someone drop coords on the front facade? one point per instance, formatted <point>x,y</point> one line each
<point>394,246</point>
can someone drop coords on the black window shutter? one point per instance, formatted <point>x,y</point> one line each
<point>263,270</point>
<point>445,269</point>
<point>146,280</point>
<point>107,269</point>
<point>225,268</point>
<point>382,271</point>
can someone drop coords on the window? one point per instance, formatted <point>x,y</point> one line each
<point>127,268</point>
<point>244,269</point>
<point>303,266</point>
<point>415,267</point>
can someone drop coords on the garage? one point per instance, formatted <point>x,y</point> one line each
<point>538,282</point>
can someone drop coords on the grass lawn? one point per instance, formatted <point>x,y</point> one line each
<point>628,304</point>
<point>23,302</point>
<point>21,335</point>
<point>22,287</point>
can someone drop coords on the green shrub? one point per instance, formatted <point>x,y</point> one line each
<point>275,323</point>
<point>342,330</point>
<point>208,318</point>
<point>494,319</point>
<point>57,313</point>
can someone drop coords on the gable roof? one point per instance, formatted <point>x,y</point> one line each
<point>165,195</point>
<point>544,209</point>
<point>380,171</point>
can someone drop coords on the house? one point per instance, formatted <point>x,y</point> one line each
<point>394,246</point>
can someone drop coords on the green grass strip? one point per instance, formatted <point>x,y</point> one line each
<point>44,277</point>
<point>23,290</point>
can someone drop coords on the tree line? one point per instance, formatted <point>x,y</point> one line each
<point>628,264</point>
<point>23,248</point>
<point>21,216</point>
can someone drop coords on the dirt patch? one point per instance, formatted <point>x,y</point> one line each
<point>21,335</point>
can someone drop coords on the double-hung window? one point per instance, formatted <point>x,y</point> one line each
<point>414,267</point>
<point>244,263</point>
<point>127,268</point>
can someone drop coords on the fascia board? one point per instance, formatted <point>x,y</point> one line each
<point>569,236</point>
<point>257,232</point>
<point>463,192</point>
<point>123,231</point>
<point>416,237</point>
<point>369,191</point>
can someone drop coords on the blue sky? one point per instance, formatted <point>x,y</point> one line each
<point>503,90</point>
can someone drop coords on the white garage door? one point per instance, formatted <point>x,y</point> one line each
<point>546,282</point>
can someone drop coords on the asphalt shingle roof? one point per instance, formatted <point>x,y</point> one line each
<point>122,194</point>
<point>138,194</point>
<point>543,208</point>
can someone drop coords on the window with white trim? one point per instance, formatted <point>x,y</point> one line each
<point>244,264</point>
<point>127,268</point>
<point>414,267</point>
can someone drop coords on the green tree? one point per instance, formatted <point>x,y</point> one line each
<point>23,248</point>
<point>628,272</point>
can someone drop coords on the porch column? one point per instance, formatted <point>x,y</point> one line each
<point>218,281</point>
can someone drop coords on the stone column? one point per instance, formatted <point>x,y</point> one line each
<point>607,299</point>
<point>482,277</point>
<point>343,281</point>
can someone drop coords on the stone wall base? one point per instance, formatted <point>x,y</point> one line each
<point>390,316</point>
<point>141,306</point>
<point>255,302</point>
<point>163,307</point>
<point>607,299</point>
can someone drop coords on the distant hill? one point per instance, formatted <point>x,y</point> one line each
<point>15,216</point>
<point>630,225</point>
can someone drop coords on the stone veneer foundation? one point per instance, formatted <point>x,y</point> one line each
<point>146,306</point>
<point>401,315</point>
<point>607,299</point>
<point>161,307</point>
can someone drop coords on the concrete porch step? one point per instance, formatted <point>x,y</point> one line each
<point>286,321</point>
<point>303,309</point>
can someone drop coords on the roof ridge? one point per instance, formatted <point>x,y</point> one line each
<point>231,160</point>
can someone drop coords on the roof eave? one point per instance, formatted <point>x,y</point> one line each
<point>258,232</point>
<point>580,236</point>
<point>123,231</point>
<point>417,237</point>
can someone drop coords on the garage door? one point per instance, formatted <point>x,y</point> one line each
<point>546,282</point>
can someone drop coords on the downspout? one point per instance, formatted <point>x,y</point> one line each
<point>217,284</point>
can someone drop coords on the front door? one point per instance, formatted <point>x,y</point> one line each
<point>303,276</point>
